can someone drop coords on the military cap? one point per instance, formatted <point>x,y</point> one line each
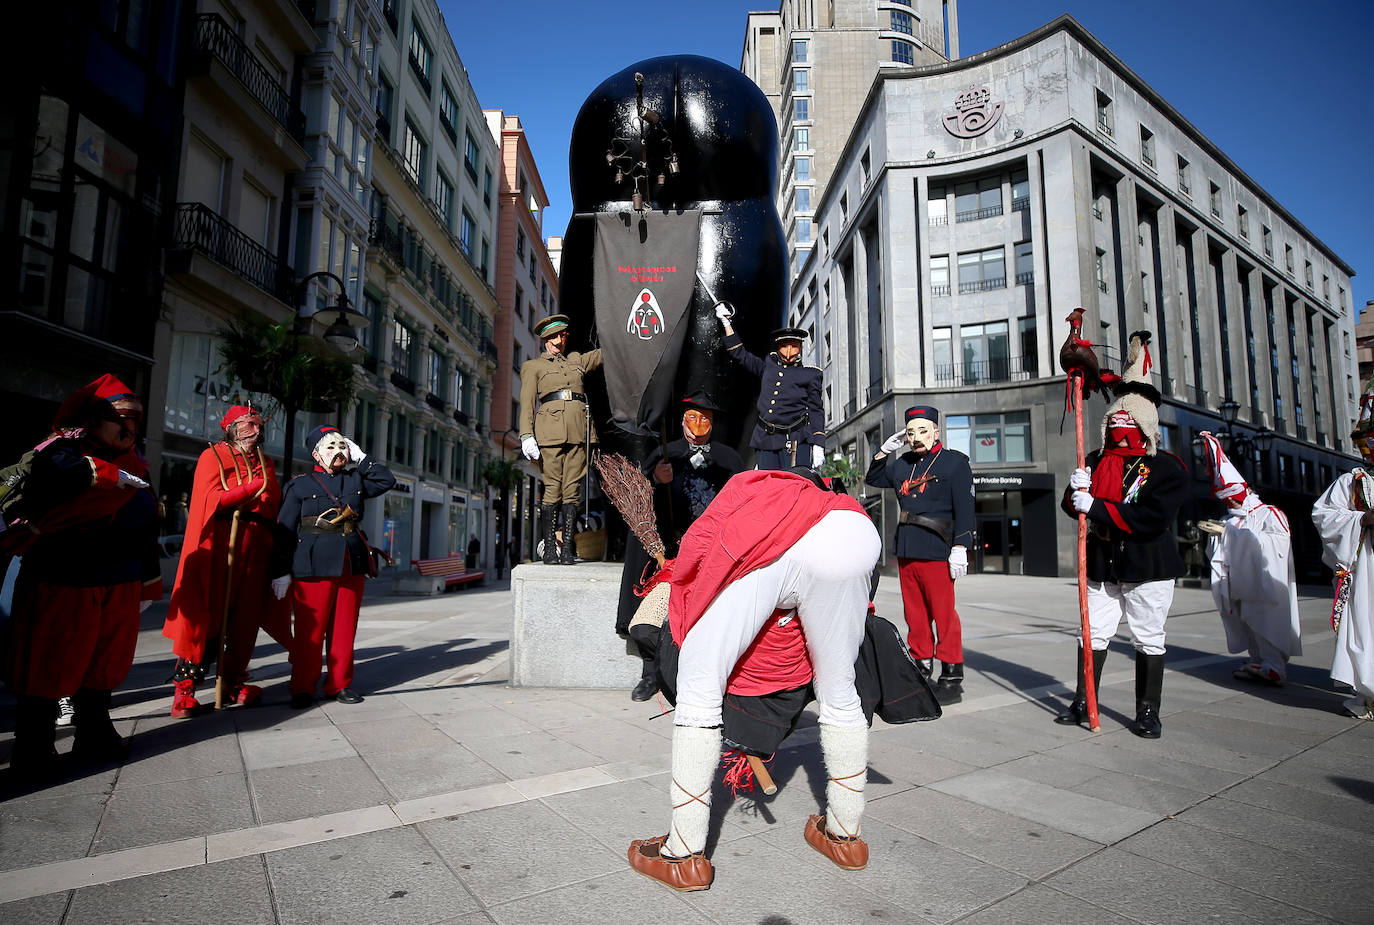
<point>551,326</point>
<point>925,412</point>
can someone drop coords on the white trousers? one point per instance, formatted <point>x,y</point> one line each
<point>1144,604</point>
<point>825,576</point>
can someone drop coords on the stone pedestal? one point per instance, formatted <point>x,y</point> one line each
<point>563,628</point>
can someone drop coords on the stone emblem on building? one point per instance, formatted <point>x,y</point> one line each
<point>974,113</point>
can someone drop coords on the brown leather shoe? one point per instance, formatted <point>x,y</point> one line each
<point>686,875</point>
<point>847,853</point>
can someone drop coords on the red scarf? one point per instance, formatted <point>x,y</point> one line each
<point>1111,470</point>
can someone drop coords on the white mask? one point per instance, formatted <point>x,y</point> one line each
<point>331,445</point>
<point>922,434</point>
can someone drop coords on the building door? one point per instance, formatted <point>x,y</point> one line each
<point>997,515</point>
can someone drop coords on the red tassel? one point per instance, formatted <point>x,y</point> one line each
<point>738,775</point>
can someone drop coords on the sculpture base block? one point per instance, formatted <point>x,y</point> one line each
<point>563,628</point>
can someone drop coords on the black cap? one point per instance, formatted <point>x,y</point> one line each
<point>313,438</point>
<point>782,334</point>
<point>928,412</point>
<point>700,399</point>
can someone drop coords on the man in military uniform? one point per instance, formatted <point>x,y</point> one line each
<point>686,474</point>
<point>791,423</point>
<point>556,429</point>
<point>934,486</point>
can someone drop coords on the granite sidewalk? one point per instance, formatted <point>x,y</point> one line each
<point>449,796</point>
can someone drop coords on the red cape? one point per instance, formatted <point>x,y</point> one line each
<point>196,609</point>
<point>757,517</point>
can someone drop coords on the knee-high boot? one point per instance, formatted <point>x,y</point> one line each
<point>1077,713</point>
<point>548,523</point>
<point>1149,684</point>
<point>96,737</point>
<point>569,534</point>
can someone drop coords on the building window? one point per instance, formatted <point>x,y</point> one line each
<point>448,111</point>
<point>975,199</point>
<point>1243,222</point>
<point>421,57</point>
<point>801,139</point>
<point>803,168</point>
<point>386,94</point>
<point>980,271</point>
<point>486,189</point>
<point>1020,191</point>
<point>1183,186</point>
<point>1326,288</point>
<point>1025,264</point>
<point>534,271</point>
<point>798,51</point>
<point>1104,113</point>
<point>486,260</point>
<point>901,22</point>
<point>443,198</point>
<point>939,275</point>
<point>903,52</point>
<point>403,350</point>
<point>1030,355</point>
<point>985,353</point>
<point>1214,198</point>
<point>1100,268</point>
<point>865,169</point>
<point>844,206</point>
<point>1147,147</point>
<point>936,206</point>
<point>1267,237</point>
<point>414,154</point>
<point>1307,273</point>
<point>943,350</point>
<point>803,196</point>
<point>517,356</point>
<point>803,231</point>
<point>467,233</point>
<point>520,244</point>
<point>990,438</point>
<point>801,109</point>
<point>1288,258</point>
<point>801,80</point>
<point>435,380</point>
<point>472,155</point>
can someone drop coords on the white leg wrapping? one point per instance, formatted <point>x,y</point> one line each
<point>696,752</point>
<point>845,750</point>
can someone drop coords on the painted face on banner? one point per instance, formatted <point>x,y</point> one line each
<point>922,434</point>
<point>331,452</point>
<point>696,425</point>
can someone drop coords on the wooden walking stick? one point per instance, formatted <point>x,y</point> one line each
<point>1089,682</point>
<point>224,615</point>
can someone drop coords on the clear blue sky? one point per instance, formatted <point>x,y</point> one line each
<point>1283,88</point>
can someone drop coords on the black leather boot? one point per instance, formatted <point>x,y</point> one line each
<point>569,534</point>
<point>548,522</point>
<point>950,688</point>
<point>925,666</point>
<point>1077,713</point>
<point>1149,683</point>
<point>96,738</point>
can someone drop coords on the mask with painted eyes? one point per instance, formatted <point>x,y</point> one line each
<point>696,425</point>
<point>329,447</point>
<point>922,434</point>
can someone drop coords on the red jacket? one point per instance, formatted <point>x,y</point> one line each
<point>757,517</point>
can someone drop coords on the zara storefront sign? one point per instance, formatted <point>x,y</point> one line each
<point>974,113</point>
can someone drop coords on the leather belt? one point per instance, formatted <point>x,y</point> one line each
<point>309,527</point>
<point>250,517</point>
<point>942,527</point>
<point>563,395</point>
<point>787,428</point>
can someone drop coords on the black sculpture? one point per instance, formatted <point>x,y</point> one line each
<point>683,132</point>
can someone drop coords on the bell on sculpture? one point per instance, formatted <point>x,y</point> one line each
<point>662,179</point>
<point>650,117</point>
<point>637,201</point>
<point>619,175</point>
<point>672,165</point>
<point>610,157</point>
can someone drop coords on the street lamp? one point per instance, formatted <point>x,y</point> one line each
<point>1249,446</point>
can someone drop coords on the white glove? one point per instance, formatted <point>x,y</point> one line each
<point>530,447</point>
<point>144,605</point>
<point>1080,479</point>
<point>894,443</point>
<point>697,459</point>
<point>129,480</point>
<point>280,585</point>
<point>1082,501</point>
<point>725,311</point>
<point>958,562</point>
<point>355,452</point>
<point>817,456</point>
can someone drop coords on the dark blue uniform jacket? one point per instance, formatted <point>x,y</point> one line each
<point>321,555</point>
<point>948,495</point>
<point>789,399</point>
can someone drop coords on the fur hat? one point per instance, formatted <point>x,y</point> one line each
<point>1135,395</point>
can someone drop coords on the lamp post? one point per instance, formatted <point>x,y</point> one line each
<point>339,334</point>
<point>1249,446</point>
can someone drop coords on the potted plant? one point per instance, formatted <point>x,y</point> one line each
<point>268,358</point>
<point>840,467</point>
<point>501,473</point>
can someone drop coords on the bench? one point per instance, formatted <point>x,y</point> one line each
<point>449,568</point>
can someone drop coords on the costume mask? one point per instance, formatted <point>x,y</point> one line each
<point>696,425</point>
<point>1365,444</point>
<point>246,432</point>
<point>328,450</point>
<point>922,434</point>
<point>789,351</point>
<point>1121,426</point>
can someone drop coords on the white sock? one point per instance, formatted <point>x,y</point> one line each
<point>845,750</point>
<point>696,752</point>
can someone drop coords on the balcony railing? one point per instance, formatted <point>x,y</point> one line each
<point>1302,431</point>
<point>382,235</point>
<point>1147,158</point>
<point>850,407</point>
<point>1020,203</point>
<point>875,392</point>
<point>389,11</point>
<point>972,215</point>
<point>983,285</point>
<point>216,39</point>
<point>447,124</point>
<point>403,382</point>
<point>939,291</point>
<point>489,348</point>
<point>981,372</point>
<point>1097,213</point>
<point>461,417</point>
<point>1026,278</point>
<point>198,228</point>
<point>939,219</point>
<point>1102,285</point>
<point>434,401</point>
<point>420,76</point>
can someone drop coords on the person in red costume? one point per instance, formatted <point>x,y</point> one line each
<point>770,543</point>
<point>89,570</point>
<point>235,497</point>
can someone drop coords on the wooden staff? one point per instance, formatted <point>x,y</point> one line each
<point>224,616</point>
<point>1089,685</point>
<point>761,774</point>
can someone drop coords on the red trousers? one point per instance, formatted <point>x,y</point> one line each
<point>67,638</point>
<point>928,598</point>
<point>324,608</point>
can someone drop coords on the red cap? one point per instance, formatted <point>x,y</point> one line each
<point>75,409</point>
<point>234,413</point>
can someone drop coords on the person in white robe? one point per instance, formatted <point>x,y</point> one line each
<point>1343,515</point>
<point>1253,582</point>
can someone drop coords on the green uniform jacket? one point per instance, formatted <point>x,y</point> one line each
<point>558,421</point>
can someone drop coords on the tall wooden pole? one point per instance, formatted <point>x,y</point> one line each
<point>1089,685</point>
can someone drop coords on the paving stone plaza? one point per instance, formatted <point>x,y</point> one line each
<point>450,796</point>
